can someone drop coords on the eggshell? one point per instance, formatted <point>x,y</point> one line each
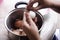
<point>32,14</point>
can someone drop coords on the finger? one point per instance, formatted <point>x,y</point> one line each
<point>31,22</point>
<point>29,19</point>
<point>26,25</point>
<point>24,17</point>
<point>30,4</point>
<point>35,19</point>
<point>33,1</point>
<point>24,20</point>
<point>41,5</point>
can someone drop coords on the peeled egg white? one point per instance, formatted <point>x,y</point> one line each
<point>35,4</point>
<point>32,14</point>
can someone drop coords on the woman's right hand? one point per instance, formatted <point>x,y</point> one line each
<point>44,4</point>
<point>41,4</point>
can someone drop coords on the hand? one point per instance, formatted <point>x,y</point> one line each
<point>54,4</point>
<point>41,4</point>
<point>30,27</point>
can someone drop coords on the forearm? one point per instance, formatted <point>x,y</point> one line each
<point>34,35</point>
<point>54,4</point>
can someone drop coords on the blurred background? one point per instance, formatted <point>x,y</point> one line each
<point>51,19</point>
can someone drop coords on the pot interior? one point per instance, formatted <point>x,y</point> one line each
<point>18,14</point>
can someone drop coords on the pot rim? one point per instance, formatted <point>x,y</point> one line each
<point>11,30</point>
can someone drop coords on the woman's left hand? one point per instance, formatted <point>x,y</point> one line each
<point>30,27</point>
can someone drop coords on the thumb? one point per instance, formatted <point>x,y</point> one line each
<point>28,18</point>
<point>24,21</point>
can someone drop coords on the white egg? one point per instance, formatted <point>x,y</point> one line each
<point>35,4</point>
<point>32,14</point>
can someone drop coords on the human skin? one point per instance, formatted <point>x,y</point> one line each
<point>30,27</point>
<point>54,4</point>
<point>29,24</point>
